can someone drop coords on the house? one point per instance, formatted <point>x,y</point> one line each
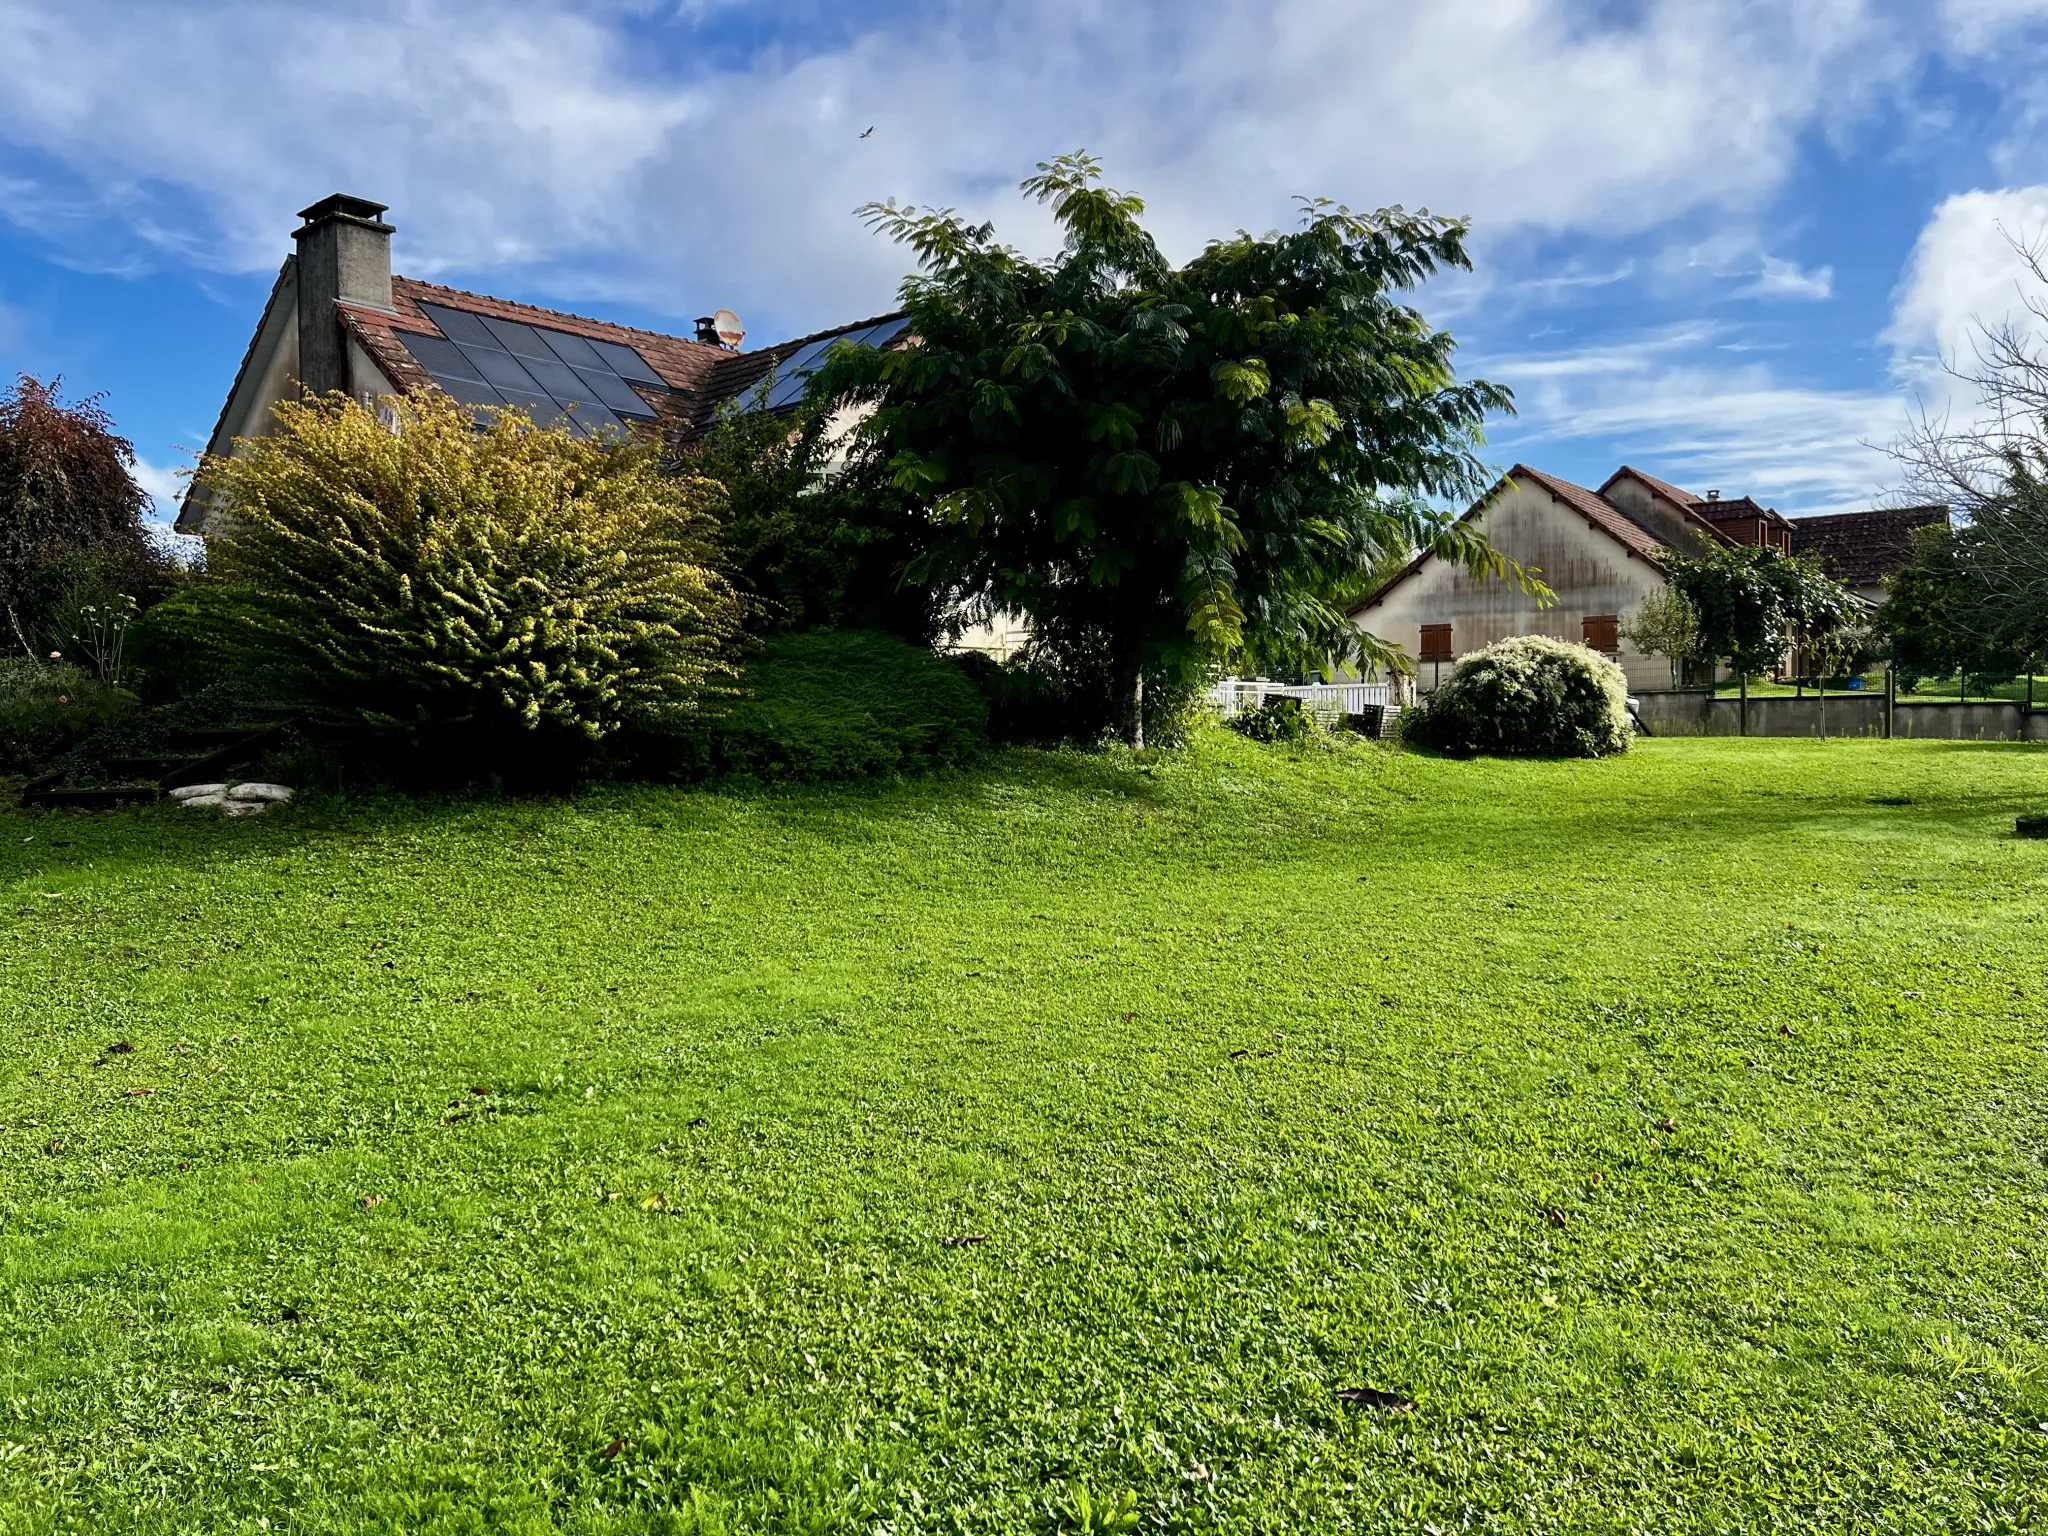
<point>1603,553</point>
<point>339,319</point>
<point>1860,549</point>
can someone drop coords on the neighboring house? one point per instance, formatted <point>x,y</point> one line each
<point>1602,553</point>
<point>1860,549</point>
<point>338,319</point>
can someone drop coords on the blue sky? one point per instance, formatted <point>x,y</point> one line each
<point>1724,240</point>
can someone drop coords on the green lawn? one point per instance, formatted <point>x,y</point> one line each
<point>906,1159</point>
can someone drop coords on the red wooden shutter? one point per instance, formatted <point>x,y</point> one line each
<point>1436,642</point>
<point>1602,632</point>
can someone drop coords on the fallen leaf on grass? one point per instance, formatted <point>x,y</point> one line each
<point>370,1202</point>
<point>964,1239</point>
<point>611,1450</point>
<point>1668,1126</point>
<point>480,1093</point>
<point>1129,1016</point>
<point>1787,1029</point>
<point>653,1203</point>
<point>120,1047</point>
<point>1554,1216</point>
<point>55,1148</point>
<point>138,1093</point>
<point>1549,1300</point>
<point>1374,1397</point>
<point>1239,1055</point>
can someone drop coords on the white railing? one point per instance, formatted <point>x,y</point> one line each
<point>1327,701</point>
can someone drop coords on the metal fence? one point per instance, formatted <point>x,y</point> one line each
<point>1332,703</point>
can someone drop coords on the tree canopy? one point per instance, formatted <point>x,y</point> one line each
<point>70,512</point>
<point>1162,466</point>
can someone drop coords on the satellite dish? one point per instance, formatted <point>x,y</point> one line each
<point>729,329</point>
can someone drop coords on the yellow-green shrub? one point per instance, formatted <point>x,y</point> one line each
<point>428,581</point>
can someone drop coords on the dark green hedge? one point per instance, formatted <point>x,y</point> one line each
<point>46,709</point>
<point>837,704</point>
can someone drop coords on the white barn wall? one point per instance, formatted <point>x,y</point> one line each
<point>1591,573</point>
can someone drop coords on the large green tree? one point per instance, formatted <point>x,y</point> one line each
<point>1939,617</point>
<point>1161,465</point>
<point>814,543</point>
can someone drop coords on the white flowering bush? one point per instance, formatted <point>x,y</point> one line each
<point>1529,697</point>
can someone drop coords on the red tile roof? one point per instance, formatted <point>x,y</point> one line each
<point>1862,548</point>
<point>1664,488</point>
<point>1732,509</point>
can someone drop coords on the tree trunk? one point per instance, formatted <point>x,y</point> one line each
<point>1127,682</point>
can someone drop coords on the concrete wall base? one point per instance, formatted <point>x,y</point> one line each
<point>1701,714</point>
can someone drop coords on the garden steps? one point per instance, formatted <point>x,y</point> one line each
<point>141,780</point>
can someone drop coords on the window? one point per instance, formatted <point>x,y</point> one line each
<point>1436,642</point>
<point>1601,631</point>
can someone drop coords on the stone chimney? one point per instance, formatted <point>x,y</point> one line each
<point>345,256</point>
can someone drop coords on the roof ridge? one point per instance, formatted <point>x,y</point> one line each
<point>561,314</point>
<point>830,331</point>
<point>1663,488</point>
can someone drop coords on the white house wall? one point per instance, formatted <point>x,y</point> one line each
<point>1590,572</point>
<point>366,380</point>
<point>274,373</point>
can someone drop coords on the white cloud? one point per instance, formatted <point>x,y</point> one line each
<point>1974,26</point>
<point>1704,424</point>
<point>1669,401</point>
<point>1781,279</point>
<point>1965,275</point>
<point>554,137</point>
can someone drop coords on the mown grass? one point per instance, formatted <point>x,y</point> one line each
<point>981,1154</point>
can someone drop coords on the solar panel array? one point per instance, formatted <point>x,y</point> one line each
<point>794,372</point>
<point>553,375</point>
<point>549,374</point>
